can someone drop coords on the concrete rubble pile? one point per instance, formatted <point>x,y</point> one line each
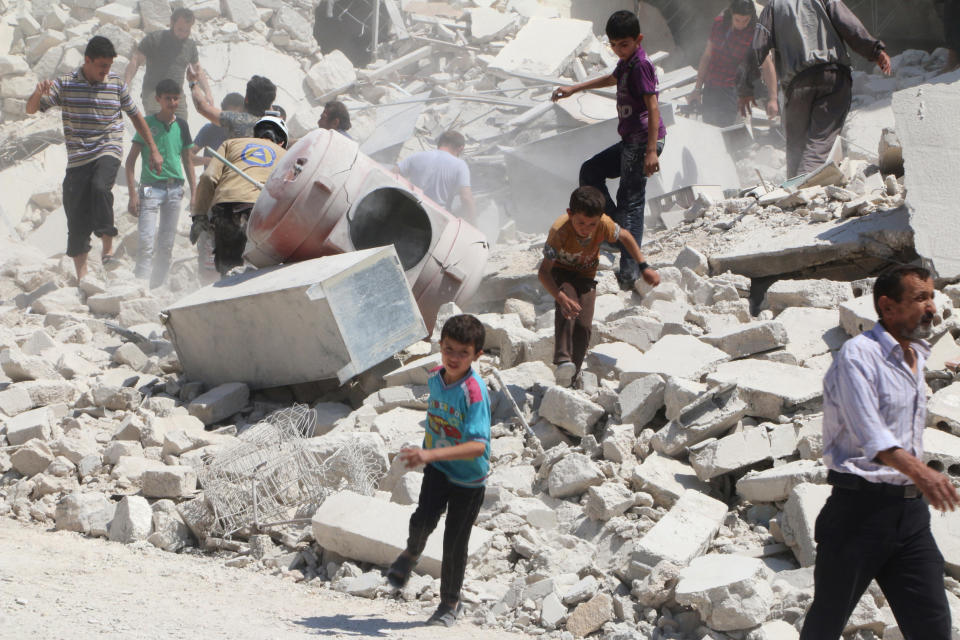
<point>672,495</point>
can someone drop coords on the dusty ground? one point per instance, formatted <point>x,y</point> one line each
<point>61,585</point>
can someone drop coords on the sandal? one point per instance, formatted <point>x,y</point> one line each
<point>107,259</point>
<point>399,572</point>
<point>445,616</point>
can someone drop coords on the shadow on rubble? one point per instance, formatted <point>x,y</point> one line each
<point>361,626</point>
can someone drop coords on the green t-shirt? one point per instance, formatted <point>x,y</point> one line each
<point>171,139</point>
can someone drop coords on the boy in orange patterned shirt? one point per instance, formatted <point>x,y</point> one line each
<point>570,259</point>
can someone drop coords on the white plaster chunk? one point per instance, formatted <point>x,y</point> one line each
<point>745,340</point>
<point>799,518</point>
<point>569,410</point>
<point>735,451</point>
<point>685,532</point>
<point>775,485</point>
<point>676,356</point>
<point>771,388</point>
<point>729,592</point>
<point>573,475</point>
<point>132,521</point>
<point>665,479</point>
<point>822,294</point>
<point>641,400</point>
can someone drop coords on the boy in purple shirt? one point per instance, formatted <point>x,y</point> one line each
<point>636,156</point>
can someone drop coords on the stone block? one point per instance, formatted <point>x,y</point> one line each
<point>611,358</point>
<point>14,401</point>
<point>639,331</point>
<point>665,479</point>
<point>590,616</point>
<point>799,518</point>
<point>730,592</point>
<point>518,479</point>
<point>407,488</point>
<point>573,475</point>
<point>169,482</point>
<point>47,392</point>
<point>569,410</point>
<point>38,342</point>
<point>116,398</point>
<point>399,426</point>
<point>679,393</point>
<point>811,332</point>
<point>132,468</point>
<point>640,400</point>
<point>132,521</point>
<point>581,591</point>
<point>608,500</point>
<point>118,14</point>
<point>944,349</point>
<point>771,389</point>
<point>544,47</point>
<point>118,449</point>
<point>709,415</point>
<point>18,366</point>
<point>858,315</point>
<point>488,24</point>
<point>29,425</point>
<point>243,13</point>
<point>684,533</point>
<point>745,340</point>
<point>552,612</point>
<point>692,259</point>
<point>366,529</point>
<point>821,294</point>
<point>675,356</point>
<point>89,513</point>
<point>734,452</point>
<point>155,14</point>
<point>13,65</point>
<point>943,409</point>
<point>775,485</point>
<point>76,445</point>
<point>170,533</point>
<point>220,403</point>
<point>138,311</point>
<point>333,72</point>
<point>32,458</point>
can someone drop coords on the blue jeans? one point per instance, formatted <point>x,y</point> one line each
<point>156,243</point>
<point>623,160</point>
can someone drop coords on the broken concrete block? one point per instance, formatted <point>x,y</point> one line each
<point>38,342</point>
<point>544,47</point>
<point>488,24</point>
<point>29,425</point>
<point>169,482</point>
<point>746,340</point>
<point>552,611</point>
<point>858,315</point>
<point>771,388</point>
<point>14,401</point>
<point>116,398</point>
<point>399,426</point>
<point>941,449</point>
<point>636,330</point>
<point>675,356</point>
<point>943,350</point>
<point>407,488</point>
<point>729,592</point>
<point>117,449</point>
<point>132,468</point>
<point>32,458</point>
<point>365,529</point>
<point>220,402</point>
<point>821,294</point>
<point>130,355</point>
<point>590,616</point>
<point>118,14</point>
<point>243,13</point>
<point>198,516</point>
<point>693,260</point>
<point>569,410</point>
<point>607,500</point>
<point>334,71</point>
<point>708,415</point>
<point>665,479</point>
<point>684,533</point>
<point>518,479</point>
<point>640,400</point>
<point>811,332</point>
<point>679,393</point>
<point>799,518</point>
<point>611,359</point>
<point>581,591</point>
<point>19,367</point>
<point>88,513</point>
<point>656,588</point>
<point>170,533</point>
<point>775,485</point>
<point>76,445</point>
<point>573,475</point>
<point>731,453</point>
<point>132,521</point>
<point>414,372</point>
<point>943,409</point>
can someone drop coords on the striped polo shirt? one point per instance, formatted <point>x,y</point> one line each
<point>92,122</point>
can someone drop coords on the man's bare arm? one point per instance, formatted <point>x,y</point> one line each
<point>935,486</point>
<point>136,60</point>
<point>469,204</point>
<point>140,124</point>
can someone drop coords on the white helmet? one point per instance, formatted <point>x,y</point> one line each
<point>275,123</point>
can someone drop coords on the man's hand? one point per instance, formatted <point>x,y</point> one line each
<point>192,75</point>
<point>43,87</point>
<point>695,97</point>
<point>198,225</point>
<point>133,205</point>
<point>651,163</point>
<point>569,307</point>
<point>773,108</point>
<point>562,92</point>
<point>745,104</point>
<point>937,488</point>
<point>156,161</point>
<point>414,457</point>
<point>883,61</point>
<point>650,276</point>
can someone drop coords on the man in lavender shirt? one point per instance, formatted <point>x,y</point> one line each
<point>875,524</point>
<point>636,156</point>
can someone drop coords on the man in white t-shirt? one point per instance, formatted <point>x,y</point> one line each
<point>442,174</point>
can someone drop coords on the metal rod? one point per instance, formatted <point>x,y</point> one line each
<point>258,185</point>
<point>376,27</point>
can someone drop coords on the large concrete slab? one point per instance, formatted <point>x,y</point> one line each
<point>684,533</point>
<point>332,317</point>
<point>799,247</point>
<point>674,356</point>
<point>799,520</point>
<point>943,409</point>
<point>811,332</point>
<point>366,529</point>
<point>544,47</point>
<point>771,388</point>
<point>926,125</point>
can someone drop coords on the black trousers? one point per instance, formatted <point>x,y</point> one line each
<point>462,504</point>
<point>863,536</point>
<point>229,222</point>
<point>817,103</point>
<point>88,202</point>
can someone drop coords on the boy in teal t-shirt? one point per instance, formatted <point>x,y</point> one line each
<point>456,452</point>
<point>160,194</point>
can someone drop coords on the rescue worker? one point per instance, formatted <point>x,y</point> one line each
<point>229,197</point>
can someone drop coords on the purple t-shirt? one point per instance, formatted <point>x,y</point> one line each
<point>631,108</point>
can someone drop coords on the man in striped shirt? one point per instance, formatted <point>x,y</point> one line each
<point>91,100</point>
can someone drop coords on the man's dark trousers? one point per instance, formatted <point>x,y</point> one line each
<point>623,160</point>
<point>816,106</point>
<point>863,536</point>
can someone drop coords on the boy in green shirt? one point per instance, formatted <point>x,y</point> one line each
<point>160,194</point>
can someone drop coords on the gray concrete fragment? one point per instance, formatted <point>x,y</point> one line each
<point>132,521</point>
<point>611,359</point>
<point>746,340</point>
<point>684,533</point>
<point>19,366</point>
<point>636,330</point>
<point>170,533</point>
<point>552,611</point>
<point>675,356</point>
<point>811,332</point>
<point>770,388</point>
<point>799,517</point>
<point>32,458</point>
<point>569,410</point>
<point>775,485</point>
<point>14,400</point>
<point>729,592</point>
<point>89,513</point>
<point>130,355</point>
<point>641,399</point>
<point>821,294</point>
<point>169,482</point>
<point>708,416</point>
<point>220,403</point>
<point>29,425</point>
<point>665,479</point>
<point>407,488</point>
<point>607,500</point>
<point>731,453</point>
<point>590,616</point>
<point>573,475</point>
<point>858,315</point>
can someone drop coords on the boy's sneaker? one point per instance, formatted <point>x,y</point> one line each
<point>565,373</point>
<point>399,572</point>
<point>444,616</point>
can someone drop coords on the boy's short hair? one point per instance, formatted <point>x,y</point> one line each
<point>338,110</point>
<point>622,24</point>
<point>588,201</point>
<point>231,101</point>
<point>182,14</point>
<point>466,329</point>
<point>99,47</point>
<point>452,139</point>
<point>168,87</point>
<point>743,8</point>
<point>890,283</point>
<point>261,92</point>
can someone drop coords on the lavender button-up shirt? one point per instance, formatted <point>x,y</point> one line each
<point>872,402</point>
